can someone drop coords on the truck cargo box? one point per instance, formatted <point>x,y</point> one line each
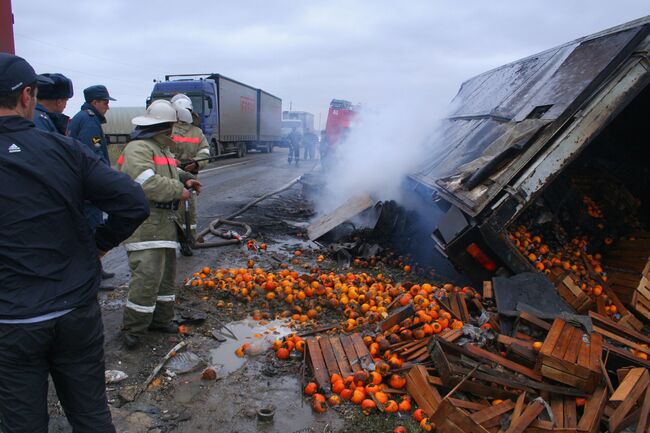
<point>518,128</point>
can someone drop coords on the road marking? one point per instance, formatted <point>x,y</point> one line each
<point>224,166</point>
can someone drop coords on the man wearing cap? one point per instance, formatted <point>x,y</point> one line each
<point>189,146</point>
<point>86,126</point>
<point>52,100</point>
<point>50,320</point>
<point>152,248</point>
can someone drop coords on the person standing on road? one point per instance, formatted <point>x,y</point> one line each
<point>86,126</point>
<point>310,140</point>
<point>189,146</point>
<point>52,100</point>
<point>294,142</point>
<point>50,320</point>
<point>151,249</point>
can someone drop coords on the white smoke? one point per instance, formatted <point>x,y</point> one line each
<point>384,145</point>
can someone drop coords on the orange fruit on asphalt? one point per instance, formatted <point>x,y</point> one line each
<point>346,394</point>
<point>282,353</point>
<point>334,400</point>
<point>311,388</point>
<point>381,397</point>
<point>537,346</point>
<point>419,415</point>
<point>335,378</point>
<point>404,406</point>
<point>319,406</point>
<point>391,406</point>
<point>407,268</point>
<point>357,396</point>
<point>400,429</point>
<point>367,406</point>
<point>338,387</point>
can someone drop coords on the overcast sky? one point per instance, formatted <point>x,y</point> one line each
<point>305,52</point>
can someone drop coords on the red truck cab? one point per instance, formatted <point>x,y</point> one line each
<point>340,117</point>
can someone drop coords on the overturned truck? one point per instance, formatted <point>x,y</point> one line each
<point>547,150</point>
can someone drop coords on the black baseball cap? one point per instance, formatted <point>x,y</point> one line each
<point>16,73</point>
<point>61,88</point>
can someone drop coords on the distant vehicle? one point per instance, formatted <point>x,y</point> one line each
<point>287,126</point>
<point>306,118</point>
<point>340,118</point>
<point>118,124</point>
<point>235,117</point>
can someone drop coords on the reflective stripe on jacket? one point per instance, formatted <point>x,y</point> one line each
<point>189,143</point>
<point>150,163</point>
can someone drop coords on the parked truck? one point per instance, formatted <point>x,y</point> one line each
<point>118,126</point>
<point>234,116</point>
<point>537,143</point>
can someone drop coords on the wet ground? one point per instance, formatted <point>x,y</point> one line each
<point>183,402</point>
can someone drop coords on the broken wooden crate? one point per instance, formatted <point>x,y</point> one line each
<point>571,356</point>
<point>571,293</point>
<point>630,402</point>
<point>628,271</point>
<point>343,355</point>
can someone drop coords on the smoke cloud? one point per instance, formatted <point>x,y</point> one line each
<point>384,145</point>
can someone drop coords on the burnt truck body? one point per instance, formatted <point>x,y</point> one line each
<point>519,129</point>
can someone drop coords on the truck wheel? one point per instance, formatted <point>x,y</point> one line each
<point>241,150</point>
<point>269,148</point>
<point>216,149</point>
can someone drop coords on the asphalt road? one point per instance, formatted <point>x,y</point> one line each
<point>227,185</point>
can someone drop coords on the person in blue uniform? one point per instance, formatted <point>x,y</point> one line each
<point>86,126</point>
<point>52,100</point>
<point>50,320</point>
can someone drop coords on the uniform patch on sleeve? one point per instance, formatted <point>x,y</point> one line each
<point>97,141</point>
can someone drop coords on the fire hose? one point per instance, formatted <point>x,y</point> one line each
<point>229,237</point>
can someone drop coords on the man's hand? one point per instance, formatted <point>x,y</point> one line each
<point>193,184</point>
<point>185,195</point>
<point>193,167</point>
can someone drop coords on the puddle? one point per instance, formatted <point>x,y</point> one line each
<point>259,334</point>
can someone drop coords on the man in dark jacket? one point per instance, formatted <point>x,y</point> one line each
<point>52,100</point>
<point>50,321</point>
<point>86,126</point>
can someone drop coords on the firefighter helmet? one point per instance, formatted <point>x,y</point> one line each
<point>159,111</point>
<point>182,100</point>
<point>184,114</point>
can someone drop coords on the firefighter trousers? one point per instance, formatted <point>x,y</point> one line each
<point>151,290</point>
<point>194,203</point>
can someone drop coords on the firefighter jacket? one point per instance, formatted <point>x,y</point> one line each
<point>48,254</point>
<point>149,162</point>
<point>189,143</point>
<point>86,126</point>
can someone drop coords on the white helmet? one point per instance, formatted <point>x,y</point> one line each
<point>184,115</point>
<point>183,100</point>
<point>159,111</point>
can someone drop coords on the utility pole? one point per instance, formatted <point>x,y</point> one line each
<point>320,113</point>
<point>290,105</point>
<point>6,28</point>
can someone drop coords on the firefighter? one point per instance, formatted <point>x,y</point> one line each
<point>295,138</point>
<point>86,126</point>
<point>189,145</point>
<point>50,320</point>
<point>52,100</point>
<point>151,249</point>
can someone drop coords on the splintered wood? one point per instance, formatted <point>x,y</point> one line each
<point>569,355</point>
<point>341,355</point>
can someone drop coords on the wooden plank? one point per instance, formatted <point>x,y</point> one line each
<point>628,383</point>
<point>453,303</point>
<point>328,356</point>
<point>508,341</point>
<point>397,316</point>
<point>564,342</point>
<point>630,400</point>
<point>348,348</point>
<point>622,340</point>
<point>552,337</point>
<point>593,410</point>
<point>584,353</point>
<point>318,364</point>
<point>629,356</point>
<point>417,355</point>
<point>365,359</point>
<point>519,407</point>
<point>464,312</point>
<point>534,320</point>
<point>347,210</point>
<point>557,406</point>
<point>452,335</point>
<point>504,362</point>
<point>596,353</point>
<point>487,290</point>
<point>425,395</point>
<point>464,404</point>
<point>572,352</point>
<point>642,425</point>
<point>570,413</point>
<point>529,414</point>
<point>491,412</point>
<point>341,358</point>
